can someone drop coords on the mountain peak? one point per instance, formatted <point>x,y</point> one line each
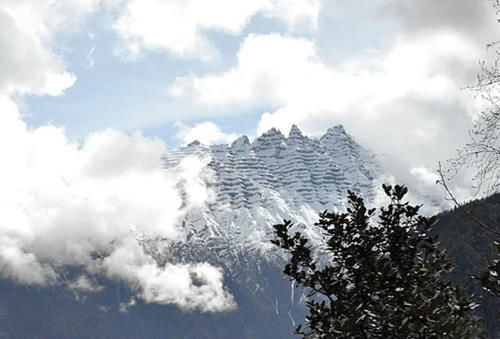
<point>241,141</point>
<point>271,137</point>
<point>337,129</point>
<point>194,143</point>
<point>273,132</point>
<point>295,132</point>
<point>336,134</point>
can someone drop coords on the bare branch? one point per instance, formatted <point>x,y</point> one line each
<point>442,181</point>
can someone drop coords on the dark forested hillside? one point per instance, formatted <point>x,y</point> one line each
<point>471,249</point>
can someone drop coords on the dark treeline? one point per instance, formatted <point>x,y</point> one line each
<point>471,249</point>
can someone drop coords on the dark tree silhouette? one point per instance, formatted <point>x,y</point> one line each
<point>381,279</point>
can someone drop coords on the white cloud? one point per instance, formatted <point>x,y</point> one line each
<point>124,307</point>
<point>28,29</point>
<point>178,27</point>
<point>206,132</point>
<point>426,176</point>
<point>61,204</point>
<point>27,66</point>
<point>287,73</point>
<point>190,286</point>
<point>271,69</point>
<point>84,284</point>
<point>21,266</point>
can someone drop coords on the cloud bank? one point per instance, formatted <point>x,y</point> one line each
<point>87,205</point>
<point>406,103</point>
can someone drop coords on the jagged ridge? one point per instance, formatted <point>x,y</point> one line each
<point>261,183</point>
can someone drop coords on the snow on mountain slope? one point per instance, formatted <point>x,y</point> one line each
<point>261,183</point>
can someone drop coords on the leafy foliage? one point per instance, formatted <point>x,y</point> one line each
<point>382,280</point>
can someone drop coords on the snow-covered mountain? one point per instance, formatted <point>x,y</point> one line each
<point>258,184</point>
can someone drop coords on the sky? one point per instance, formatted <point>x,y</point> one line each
<point>92,92</point>
<point>392,72</point>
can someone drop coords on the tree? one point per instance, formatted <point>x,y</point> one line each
<point>482,152</point>
<point>377,280</point>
